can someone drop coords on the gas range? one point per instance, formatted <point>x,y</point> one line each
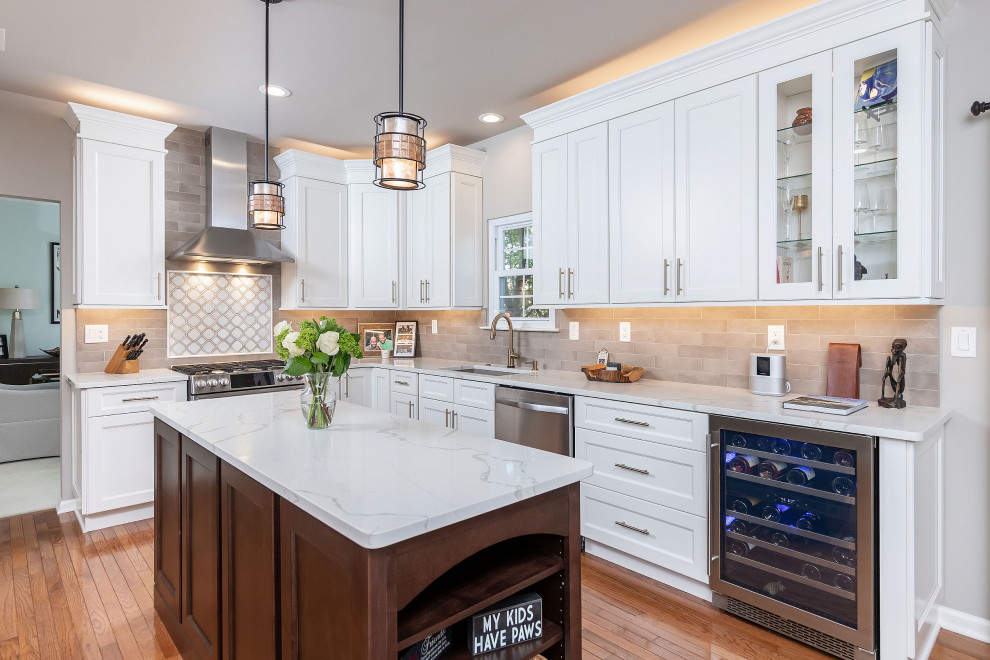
<point>220,379</point>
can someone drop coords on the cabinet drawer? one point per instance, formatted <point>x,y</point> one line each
<point>476,421</point>
<point>676,428</point>
<point>438,388</point>
<point>475,394</point>
<point>405,382</point>
<point>131,398</point>
<point>672,539</point>
<point>670,476</point>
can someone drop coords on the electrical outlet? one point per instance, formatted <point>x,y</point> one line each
<point>625,331</point>
<point>572,330</point>
<point>963,342</point>
<point>775,337</point>
<point>97,334</point>
<point>435,329</point>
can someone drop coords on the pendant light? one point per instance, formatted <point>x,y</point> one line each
<point>400,148</point>
<point>266,206</point>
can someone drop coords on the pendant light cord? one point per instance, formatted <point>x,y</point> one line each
<point>268,7</point>
<point>402,33</point>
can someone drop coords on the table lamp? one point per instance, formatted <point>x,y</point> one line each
<point>18,299</point>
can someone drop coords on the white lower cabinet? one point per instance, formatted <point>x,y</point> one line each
<point>476,421</point>
<point>356,387</point>
<point>455,403</point>
<point>405,405</point>
<point>434,412</point>
<point>380,399</point>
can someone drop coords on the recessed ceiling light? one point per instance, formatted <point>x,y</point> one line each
<point>491,117</point>
<point>275,90</point>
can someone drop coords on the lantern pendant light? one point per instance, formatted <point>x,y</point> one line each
<point>400,148</point>
<point>266,206</point>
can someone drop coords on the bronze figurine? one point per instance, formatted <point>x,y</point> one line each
<point>896,362</point>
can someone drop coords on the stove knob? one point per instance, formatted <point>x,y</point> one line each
<point>212,382</point>
<point>280,377</point>
<point>225,382</point>
<point>200,383</point>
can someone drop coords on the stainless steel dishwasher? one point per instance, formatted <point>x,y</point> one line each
<point>535,419</point>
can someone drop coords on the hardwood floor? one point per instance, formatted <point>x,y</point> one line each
<point>66,595</point>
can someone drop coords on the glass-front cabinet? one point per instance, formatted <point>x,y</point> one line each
<point>796,181</point>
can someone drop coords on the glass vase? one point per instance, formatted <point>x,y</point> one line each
<point>318,401</point>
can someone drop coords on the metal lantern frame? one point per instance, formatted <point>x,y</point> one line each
<point>265,196</point>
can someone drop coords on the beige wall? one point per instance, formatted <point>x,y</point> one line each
<point>508,173</point>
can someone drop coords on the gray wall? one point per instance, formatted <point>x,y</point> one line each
<point>508,173</point>
<point>966,381</point>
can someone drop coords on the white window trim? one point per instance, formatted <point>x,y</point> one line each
<point>495,225</point>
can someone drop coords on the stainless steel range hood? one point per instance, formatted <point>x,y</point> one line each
<point>227,237</point>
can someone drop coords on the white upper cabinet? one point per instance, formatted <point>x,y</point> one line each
<point>550,221</point>
<point>641,205</point>
<point>716,216</point>
<point>373,235</point>
<point>796,180</point>
<point>467,246</point>
<point>119,224</point>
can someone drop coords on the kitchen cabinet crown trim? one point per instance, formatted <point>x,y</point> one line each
<point>441,160</point>
<point>312,166</point>
<point>116,127</point>
<point>789,31</point>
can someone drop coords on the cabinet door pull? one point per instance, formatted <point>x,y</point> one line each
<point>302,290</point>
<point>560,283</point>
<point>393,291</point>
<point>623,466</point>
<point>410,409</point>
<point>159,287</point>
<point>820,283</point>
<point>347,386</point>
<point>666,272</point>
<point>139,398</point>
<point>401,382</point>
<point>644,532</point>
<point>421,295</point>
<point>453,419</point>
<point>570,283</point>
<point>838,274</point>
<point>446,419</point>
<point>623,420</point>
<point>427,292</point>
<point>680,266</point>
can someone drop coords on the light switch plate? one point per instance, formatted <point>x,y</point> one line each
<point>963,342</point>
<point>97,334</point>
<point>435,326</point>
<point>572,330</point>
<point>775,337</point>
<point>625,331</point>
<point>3,40</point>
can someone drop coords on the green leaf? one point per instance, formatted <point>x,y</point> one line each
<point>341,363</point>
<point>298,366</point>
<point>320,358</point>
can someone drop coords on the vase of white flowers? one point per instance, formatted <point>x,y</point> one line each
<point>319,350</point>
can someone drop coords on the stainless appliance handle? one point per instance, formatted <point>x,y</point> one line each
<point>666,272</point>
<point>623,420</point>
<point>560,283</point>
<point>838,275</point>
<point>139,398</point>
<point>623,466</point>
<point>644,532</point>
<point>820,283</point>
<point>537,407</point>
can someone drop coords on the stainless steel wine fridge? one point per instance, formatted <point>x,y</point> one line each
<point>794,532</point>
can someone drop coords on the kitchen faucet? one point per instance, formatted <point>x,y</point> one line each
<point>511,360</point>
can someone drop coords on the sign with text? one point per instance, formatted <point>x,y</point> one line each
<point>513,621</point>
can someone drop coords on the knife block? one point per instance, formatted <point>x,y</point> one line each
<point>119,365</point>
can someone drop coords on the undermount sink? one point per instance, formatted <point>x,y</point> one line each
<point>487,370</point>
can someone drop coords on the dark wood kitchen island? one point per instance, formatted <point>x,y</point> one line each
<point>272,541</point>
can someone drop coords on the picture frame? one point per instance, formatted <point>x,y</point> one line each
<point>3,348</point>
<point>55,263</point>
<point>375,337</point>
<point>405,339</point>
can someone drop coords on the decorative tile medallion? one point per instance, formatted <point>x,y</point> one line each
<point>219,314</point>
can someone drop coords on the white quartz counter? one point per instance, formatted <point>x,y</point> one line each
<point>912,423</point>
<point>375,478</point>
<point>100,379</point>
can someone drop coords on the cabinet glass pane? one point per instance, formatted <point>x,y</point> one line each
<point>874,153</point>
<point>795,128</point>
<point>790,522</point>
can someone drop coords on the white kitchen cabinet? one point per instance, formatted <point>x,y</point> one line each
<point>641,205</point>
<point>356,387</point>
<point>434,412</point>
<point>476,421</point>
<point>550,221</point>
<point>119,209</point>
<point>405,405</point>
<point>373,235</point>
<point>380,389</point>
<point>716,201</point>
<point>315,235</point>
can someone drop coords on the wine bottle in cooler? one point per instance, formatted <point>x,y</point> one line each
<point>843,581</point>
<point>843,485</point>
<point>813,452</point>
<point>782,539</point>
<point>783,446</point>
<point>770,469</point>
<point>736,526</point>
<point>738,440</point>
<point>738,548</point>
<point>811,571</point>
<point>761,533</point>
<point>801,475</point>
<point>746,504</point>
<point>844,556</point>
<point>812,522</point>
<point>743,463</point>
<point>763,443</point>
<point>844,458</point>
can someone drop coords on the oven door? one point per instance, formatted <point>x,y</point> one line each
<point>258,390</point>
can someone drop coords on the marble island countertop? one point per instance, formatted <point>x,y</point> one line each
<point>913,423</point>
<point>375,478</point>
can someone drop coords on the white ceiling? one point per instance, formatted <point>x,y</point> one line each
<point>200,62</point>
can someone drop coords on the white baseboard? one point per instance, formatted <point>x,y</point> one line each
<point>964,624</point>
<point>67,506</point>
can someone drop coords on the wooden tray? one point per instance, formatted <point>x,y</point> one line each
<point>624,375</point>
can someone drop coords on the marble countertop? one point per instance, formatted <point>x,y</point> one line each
<point>375,478</point>
<point>913,423</point>
<point>100,379</point>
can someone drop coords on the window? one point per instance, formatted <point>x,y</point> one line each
<point>511,285</point>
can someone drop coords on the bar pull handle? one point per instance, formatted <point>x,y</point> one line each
<point>427,291</point>
<point>623,466</point>
<point>422,296</point>
<point>570,283</point>
<point>139,398</point>
<point>623,420</point>
<point>666,272</point>
<point>820,283</point>
<point>410,409</point>
<point>644,532</point>
<point>302,290</point>
<point>560,283</point>
<point>680,266</point>
<point>393,291</point>
<point>453,419</point>
<point>446,419</point>
<point>159,287</point>
<point>401,382</point>
<point>347,386</point>
<point>838,275</point>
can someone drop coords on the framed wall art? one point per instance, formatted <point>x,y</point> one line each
<point>405,339</point>
<point>55,255</point>
<point>376,338</point>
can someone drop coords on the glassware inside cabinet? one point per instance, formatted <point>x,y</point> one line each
<point>795,128</point>
<point>874,153</point>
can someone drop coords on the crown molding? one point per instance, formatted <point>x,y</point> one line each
<point>453,158</point>
<point>116,127</point>
<point>312,166</point>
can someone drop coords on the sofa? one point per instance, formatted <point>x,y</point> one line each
<point>30,421</point>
